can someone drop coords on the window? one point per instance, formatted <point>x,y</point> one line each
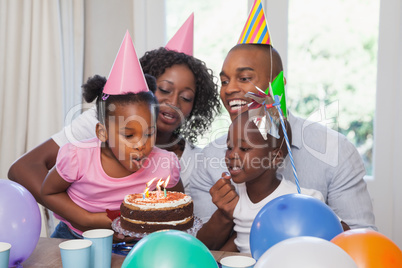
<point>332,63</point>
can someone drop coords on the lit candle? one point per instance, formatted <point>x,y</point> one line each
<point>158,187</point>
<point>166,184</point>
<point>143,196</point>
<point>147,188</point>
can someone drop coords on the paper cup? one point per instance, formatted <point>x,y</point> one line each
<point>76,253</point>
<point>237,262</point>
<point>101,250</point>
<point>4,254</point>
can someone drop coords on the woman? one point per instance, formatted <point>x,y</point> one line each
<point>188,98</point>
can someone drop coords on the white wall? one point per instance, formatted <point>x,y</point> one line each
<point>106,23</point>
<point>386,185</point>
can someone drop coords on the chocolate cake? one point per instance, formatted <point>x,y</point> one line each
<point>156,212</point>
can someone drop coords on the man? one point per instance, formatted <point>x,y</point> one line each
<point>337,173</point>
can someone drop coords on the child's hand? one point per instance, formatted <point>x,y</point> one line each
<point>224,195</point>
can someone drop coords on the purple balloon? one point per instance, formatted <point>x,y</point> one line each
<point>20,220</point>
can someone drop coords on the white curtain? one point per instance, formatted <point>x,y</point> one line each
<point>41,63</point>
<point>41,70</point>
<point>72,36</point>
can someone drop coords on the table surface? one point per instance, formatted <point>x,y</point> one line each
<point>47,254</point>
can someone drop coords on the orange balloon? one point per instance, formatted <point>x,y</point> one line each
<point>369,249</point>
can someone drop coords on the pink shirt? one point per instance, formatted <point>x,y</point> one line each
<point>94,191</point>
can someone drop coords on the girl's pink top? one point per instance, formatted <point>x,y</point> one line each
<point>94,191</point>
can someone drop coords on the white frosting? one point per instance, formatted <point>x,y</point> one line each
<point>152,223</point>
<point>146,205</point>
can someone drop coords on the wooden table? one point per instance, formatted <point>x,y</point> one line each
<point>47,254</point>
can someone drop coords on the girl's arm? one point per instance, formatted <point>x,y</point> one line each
<point>54,195</point>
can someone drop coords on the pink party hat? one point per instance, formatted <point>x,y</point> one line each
<point>126,74</point>
<point>256,29</point>
<point>183,40</point>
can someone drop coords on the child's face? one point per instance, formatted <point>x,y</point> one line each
<point>175,94</point>
<point>131,134</point>
<point>248,156</point>
<point>241,70</point>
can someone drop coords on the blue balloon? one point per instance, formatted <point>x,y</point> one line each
<point>170,248</point>
<point>290,216</point>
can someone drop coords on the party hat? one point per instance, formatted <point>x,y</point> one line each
<point>183,40</point>
<point>256,29</point>
<point>126,74</point>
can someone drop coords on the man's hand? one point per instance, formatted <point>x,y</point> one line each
<point>224,195</point>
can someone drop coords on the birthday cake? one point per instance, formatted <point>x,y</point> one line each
<point>156,211</point>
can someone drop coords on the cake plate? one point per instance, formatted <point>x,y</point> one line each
<point>116,226</point>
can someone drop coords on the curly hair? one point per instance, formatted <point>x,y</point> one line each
<point>93,90</point>
<point>206,102</point>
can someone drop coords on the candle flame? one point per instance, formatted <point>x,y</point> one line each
<point>150,182</point>
<point>167,181</point>
<point>160,182</point>
<point>147,187</point>
<point>158,185</point>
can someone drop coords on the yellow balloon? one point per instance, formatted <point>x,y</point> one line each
<point>369,249</point>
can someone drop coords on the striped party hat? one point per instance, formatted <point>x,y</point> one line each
<point>256,29</point>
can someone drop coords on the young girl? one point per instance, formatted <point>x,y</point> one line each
<point>87,180</point>
<point>252,163</point>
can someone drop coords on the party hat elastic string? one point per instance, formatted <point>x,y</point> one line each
<point>270,75</point>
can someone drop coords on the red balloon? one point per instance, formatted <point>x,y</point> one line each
<point>369,249</point>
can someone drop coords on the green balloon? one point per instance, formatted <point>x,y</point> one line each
<point>170,249</point>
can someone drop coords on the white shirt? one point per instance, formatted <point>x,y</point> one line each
<point>246,211</point>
